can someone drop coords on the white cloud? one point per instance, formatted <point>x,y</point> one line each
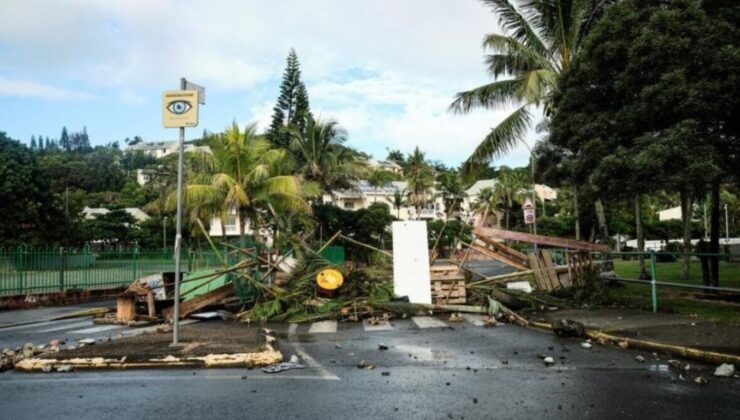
<point>31,89</point>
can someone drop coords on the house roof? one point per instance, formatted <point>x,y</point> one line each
<point>135,212</point>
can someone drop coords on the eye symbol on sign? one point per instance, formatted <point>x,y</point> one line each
<point>179,107</point>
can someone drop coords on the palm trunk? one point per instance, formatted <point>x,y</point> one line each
<point>242,233</point>
<point>640,235</point>
<point>601,217</point>
<point>577,213</point>
<point>686,219</point>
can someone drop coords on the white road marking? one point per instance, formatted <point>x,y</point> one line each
<point>476,320</point>
<point>322,327</point>
<point>382,326</point>
<point>67,326</point>
<point>310,361</point>
<point>94,330</point>
<point>428,322</point>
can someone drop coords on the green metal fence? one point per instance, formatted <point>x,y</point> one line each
<point>25,270</point>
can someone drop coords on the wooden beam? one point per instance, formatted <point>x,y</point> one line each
<point>192,305</point>
<point>495,255</point>
<point>541,239</point>
<point>501,247</point>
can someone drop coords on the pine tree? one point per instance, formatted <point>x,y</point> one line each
<point>64,140</point>
<point>84,139</point>
<point>292,106</point>
<point>33,142</point>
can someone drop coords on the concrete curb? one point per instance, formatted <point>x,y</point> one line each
<point>686,352</point>
<point>269,356</point>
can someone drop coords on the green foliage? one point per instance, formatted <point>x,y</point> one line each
<point>292,108</point>
<point>114,228</point>
<point>451,232</point>
<point>369,225</point>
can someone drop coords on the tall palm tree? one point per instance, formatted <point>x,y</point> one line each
<point>420,178</point>
<point>511,187</point>
<point>452,191</point>
<point>321,157</point>
<point>538,43</point>
<point>242,173</point>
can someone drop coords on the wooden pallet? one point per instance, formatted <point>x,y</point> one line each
<point>448,284</point>
<point>548,277</point>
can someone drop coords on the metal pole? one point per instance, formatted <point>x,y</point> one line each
<point>534,196</point>
<point>164,235</point>
<point>178,234</point>
<point>727,227</point>
<point>653,286</point>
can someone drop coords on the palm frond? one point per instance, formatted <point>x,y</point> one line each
<point>500,140</point>
<point>491,95</point>
<point>511,56</point>
<point>513,22</point>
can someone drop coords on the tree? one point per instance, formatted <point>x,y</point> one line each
<point>245,175</point>
<point>292,108</point>
<point>540,39</point>
<point>321,157</point>
<point>64,140</point>
<point>420,179</point>
<point>379,179</point>
<point>33,143</point>
<point>450,187</point>
<point>511,186</point>
<point>397,157</point>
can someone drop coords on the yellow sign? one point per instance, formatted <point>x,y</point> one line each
<point>180,108</point>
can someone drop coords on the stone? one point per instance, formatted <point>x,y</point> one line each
<point>65,368</point>
<point>46,368</point>
<point>549,361</point>
<point>382,347</point>
<point>640,358</point>
<point>700,380</point>
<point>725,370</point>
<point>586,346</point>
<point>294,359</point>
<point>623,344</point>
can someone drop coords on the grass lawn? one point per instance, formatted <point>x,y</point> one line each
<point>683,301</point>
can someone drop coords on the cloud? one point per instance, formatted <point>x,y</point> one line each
<point>31,89</point>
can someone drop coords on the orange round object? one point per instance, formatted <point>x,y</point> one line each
<point>329,279</point>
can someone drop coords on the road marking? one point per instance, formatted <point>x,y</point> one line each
<point>382,326</point>
<point>476,320</point>
<point>67,326</point>
<point>310,361</point>
<point>94,330</point>
<point>137,379</point>
<point>428,322</point>
<point>322,327</point>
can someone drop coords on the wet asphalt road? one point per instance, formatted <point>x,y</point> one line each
<point>435,373</point>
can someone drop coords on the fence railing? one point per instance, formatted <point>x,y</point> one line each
<point>25,270</point>
<point>663,269</point>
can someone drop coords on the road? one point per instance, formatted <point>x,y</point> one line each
<point>432,370</point>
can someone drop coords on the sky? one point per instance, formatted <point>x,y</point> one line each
<point>385,70</point>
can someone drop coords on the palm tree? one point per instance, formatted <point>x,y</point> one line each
<point>452,191</point>
<point>397,203</point>
<point>242,173</point>
<point>378,179</point>
<point>321,157</point>
<point>539,40</point>
<point>511,186</point>
<point>420,179</point>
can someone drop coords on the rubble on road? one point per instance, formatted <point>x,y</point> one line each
<point>725,370</point>
<point>282,367</point>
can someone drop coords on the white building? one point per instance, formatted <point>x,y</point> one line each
<point>90,213</point>
<point>160,149</point>
<point>385,165</point>
<point>673,213</point>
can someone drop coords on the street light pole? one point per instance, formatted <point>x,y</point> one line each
<point>178,231</point>
<point>534,193</point>
<point>727,227</point>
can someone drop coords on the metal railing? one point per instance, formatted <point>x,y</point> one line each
<point>26,270</point>
<point>654,259</point>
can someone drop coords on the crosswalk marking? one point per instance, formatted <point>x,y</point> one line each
<point>382,326</point>
<point>323,327</point>
<point>476,320</point>
<point>428,322</point>
<point>67,326</point>
<point>94,330</point>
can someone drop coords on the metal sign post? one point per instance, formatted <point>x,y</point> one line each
<point>180,110</point>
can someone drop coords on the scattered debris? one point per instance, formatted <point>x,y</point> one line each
<point>623,344</point>
<point>725,370</point>
<point>382,347</point>
<point>549,361</point>
<point>361,365</point>
<point>640,358</point>
<point>46,368</point>
<point>701,380</point>
<point>385,373</point>
<point>64,368</point>
<point>295,359</point>
<point>456,317</point>
<point>568,328</point>
<point>86,341</point>
<point>281,367</point>
<point>586,345</point>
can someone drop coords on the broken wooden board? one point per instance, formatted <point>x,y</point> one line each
<point>126,308</point>
<point>497,256</point>
<point>192,305</point>
<point>540,239</point>
<point>504,250</point>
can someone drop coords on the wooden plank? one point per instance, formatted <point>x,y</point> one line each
<point>495,255</point>
<point>126,308</point>
<point>540,239</point>
<point>534,264</point>
<point>152,312</point>
<point>501,247</point>
<point>192,305</point>
<point>550,268</point>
